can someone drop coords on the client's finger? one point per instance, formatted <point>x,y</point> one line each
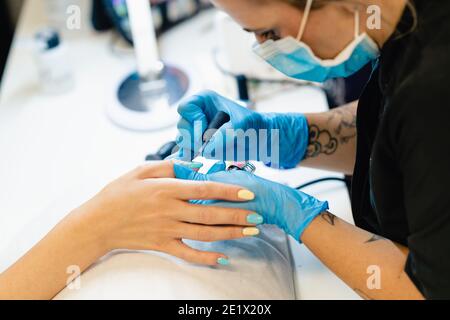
<point>183,251</point>
<point>163,169</point>
<point>210,215</point>
<point>206,190</point>
<point>211,234</point>
<point>154,169</point>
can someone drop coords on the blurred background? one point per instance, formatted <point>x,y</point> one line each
<point>112,14</point>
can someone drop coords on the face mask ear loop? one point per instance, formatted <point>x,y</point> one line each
<point>304,20</point>
<point>357,22</point>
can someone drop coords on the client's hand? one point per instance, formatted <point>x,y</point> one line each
<point>147,209</point>
<point>289,209</point>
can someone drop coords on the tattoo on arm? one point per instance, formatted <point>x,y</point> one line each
<point>328,217</point>
<point>375,238</point>
<point>341,129</point>
<point>320,142</point>
<point>347,122</point>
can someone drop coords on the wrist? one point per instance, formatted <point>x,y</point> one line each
<point>86,226</point>
<point>309,223</point>
<point>310,209</point>
<point>316,226</point>
<point>293,137</point>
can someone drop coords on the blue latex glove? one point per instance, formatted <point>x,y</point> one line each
<point>289,209</point>
<point>197,112</point>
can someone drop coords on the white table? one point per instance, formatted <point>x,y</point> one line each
<point>54,147</point>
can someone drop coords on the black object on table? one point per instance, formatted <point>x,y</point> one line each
<point>6,34</point>
<point>100,18</point>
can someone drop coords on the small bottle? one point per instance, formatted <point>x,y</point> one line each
<point>55,72</point>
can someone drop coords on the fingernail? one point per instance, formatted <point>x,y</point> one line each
<point>255,218</point>
<point>195,165</point>
<point>191,165</point>
<point>246,195</point>
<point>223,261</point>
<point>250,232</point>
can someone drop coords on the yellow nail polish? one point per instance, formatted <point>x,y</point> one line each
<point>250,231</point>
<point>246,195</point>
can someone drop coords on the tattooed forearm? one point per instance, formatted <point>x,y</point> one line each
<point>374,238</point>
<point>346,128</point>
<point>320,142</point>
<point>328,217</point>
<point>340,129</point>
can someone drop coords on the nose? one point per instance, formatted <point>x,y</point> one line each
<point>259,38</point>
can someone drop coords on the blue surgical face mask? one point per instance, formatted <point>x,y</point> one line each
<point>296,59</point>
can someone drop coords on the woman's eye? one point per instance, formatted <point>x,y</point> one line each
<point>270,35</point>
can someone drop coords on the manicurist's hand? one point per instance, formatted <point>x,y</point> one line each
<point>280,205</point>
<point>282,136</point>
<point>147,209</point>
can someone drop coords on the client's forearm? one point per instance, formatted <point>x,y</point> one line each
<point>45,269</point>
<point>332,139</point>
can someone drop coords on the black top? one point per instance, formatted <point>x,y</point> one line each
<point>401,184</point>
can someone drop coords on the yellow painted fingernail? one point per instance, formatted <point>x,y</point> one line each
<point>250,232</point>
<point>246,195</point>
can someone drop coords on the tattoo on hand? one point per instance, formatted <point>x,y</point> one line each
<point>328,217</point>
<point>374,238</point>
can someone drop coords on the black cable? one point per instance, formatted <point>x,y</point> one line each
<point>320,181</point>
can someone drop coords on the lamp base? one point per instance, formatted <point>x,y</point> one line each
<point>151,105</point>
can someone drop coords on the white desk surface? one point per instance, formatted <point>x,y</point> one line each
<point>64,147</point>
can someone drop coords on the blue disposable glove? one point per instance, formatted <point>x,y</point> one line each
<point>289,209</point>
<point>288,131</point>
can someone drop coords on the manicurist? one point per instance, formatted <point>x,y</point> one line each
<point>395,140</point>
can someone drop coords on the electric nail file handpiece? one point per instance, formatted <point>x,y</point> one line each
<point>170,149</point>
<point>218,121</point>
